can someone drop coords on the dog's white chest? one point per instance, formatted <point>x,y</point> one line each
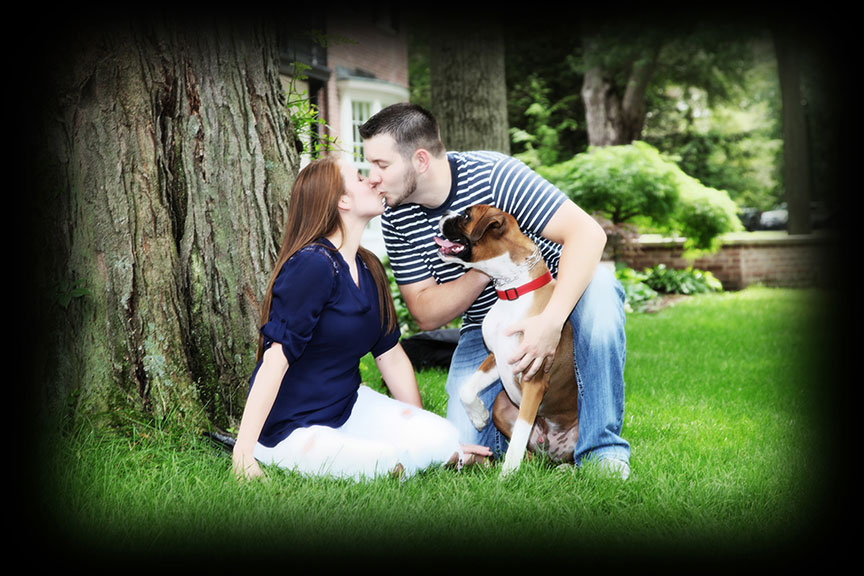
<point>502,315</point>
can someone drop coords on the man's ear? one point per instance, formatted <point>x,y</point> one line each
<point>421,160</point>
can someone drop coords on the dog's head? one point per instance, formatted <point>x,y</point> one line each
<point>482,237</point>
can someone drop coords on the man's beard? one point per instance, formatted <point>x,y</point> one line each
<point>409,183</point>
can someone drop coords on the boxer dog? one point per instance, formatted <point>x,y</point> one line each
<point>537,414</point>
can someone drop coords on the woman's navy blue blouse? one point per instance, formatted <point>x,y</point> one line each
<point>325,323</point>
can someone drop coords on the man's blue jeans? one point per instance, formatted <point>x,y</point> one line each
<point>599,349</point>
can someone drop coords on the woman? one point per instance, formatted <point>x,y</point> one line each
<point>328,304</point>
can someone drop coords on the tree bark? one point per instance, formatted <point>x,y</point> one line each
<point>468,89</point>
<point>602,109</point>
<point>169,167</point>
<point>796,157</point>
<point>615,115</point>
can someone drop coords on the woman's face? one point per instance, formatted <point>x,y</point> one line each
<point>362,199</point>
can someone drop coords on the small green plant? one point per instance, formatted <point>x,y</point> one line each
<point>309,127</point>
<point>305,117</point>
<point>641,288</point>
<point>406,322</point>
<point>66,292</point>
<point>686,281</point>
<point>637,294</point>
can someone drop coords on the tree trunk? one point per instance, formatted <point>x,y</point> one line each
<point>170,166</point>
<point>468,88</point>
<point>602,110</point>
<point>615,115</point>
<point>796,159</point>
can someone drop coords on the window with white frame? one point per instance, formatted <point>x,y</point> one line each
<point>360,113</point>
<point>360,99</point>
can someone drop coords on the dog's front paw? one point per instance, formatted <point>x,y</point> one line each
<point>510,465</point>
<point>516,450</point>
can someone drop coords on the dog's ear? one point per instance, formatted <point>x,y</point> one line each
<point>493,222</point>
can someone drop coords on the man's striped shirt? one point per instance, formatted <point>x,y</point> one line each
<point>478,178</point>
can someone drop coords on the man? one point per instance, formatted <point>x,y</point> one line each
<point>420,182</point>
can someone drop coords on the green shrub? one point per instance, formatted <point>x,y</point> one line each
<point>703,215</point>
<point>635,183</point>
<point>686,281</point>
<point>637,294</point>
<point>622,182</point>
<point>641,288</point>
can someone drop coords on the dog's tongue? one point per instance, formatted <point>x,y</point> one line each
<point>448,247</point>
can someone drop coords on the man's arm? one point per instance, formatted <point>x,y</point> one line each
<point>582,241</point>
<point>433,305</point>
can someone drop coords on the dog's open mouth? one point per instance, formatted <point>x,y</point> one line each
<point>448,247</point>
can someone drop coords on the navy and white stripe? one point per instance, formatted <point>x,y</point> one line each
<point>478,178</point>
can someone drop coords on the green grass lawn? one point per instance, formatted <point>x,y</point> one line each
<point>723,413</point>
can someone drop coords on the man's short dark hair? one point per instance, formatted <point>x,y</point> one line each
<point>410,125</point>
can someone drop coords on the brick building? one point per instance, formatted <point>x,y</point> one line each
<point>362,68</point>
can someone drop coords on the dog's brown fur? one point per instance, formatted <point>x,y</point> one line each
<point>550,399</point>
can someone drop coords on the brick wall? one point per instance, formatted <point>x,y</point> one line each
<point>373,48</point>
<point>771,259</point>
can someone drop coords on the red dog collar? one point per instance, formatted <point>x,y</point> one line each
<point>514,293</point>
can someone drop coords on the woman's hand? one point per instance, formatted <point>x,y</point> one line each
<point>245,466</point>
<point>475,454</point>
<point>258,405</point>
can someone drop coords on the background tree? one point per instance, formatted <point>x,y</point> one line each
<point>167,165</point>
<point>796,157</point>
<point>619,61</point>
<point>468,93</point>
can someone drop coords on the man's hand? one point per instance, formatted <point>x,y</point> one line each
<point>540,338</point>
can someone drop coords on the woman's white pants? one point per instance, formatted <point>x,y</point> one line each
<point>381,434</point>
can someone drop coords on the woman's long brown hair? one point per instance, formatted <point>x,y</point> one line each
<point>313,213</point>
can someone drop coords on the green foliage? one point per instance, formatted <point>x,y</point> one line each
<point>641,288</point>
<point>305,116</point>
<point>712,100</point>
<point>637,294</point>
<point>723,127</point>
<point>635,183</point>
<point>65,292</point>
<point>703,215</point>
<point>686,281</point>
<point>621,182</point>
<point>544,105</point>
<point>546,124</point>
<point>406,322</point>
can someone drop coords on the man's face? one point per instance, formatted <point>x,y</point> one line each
<point>390,174</point>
